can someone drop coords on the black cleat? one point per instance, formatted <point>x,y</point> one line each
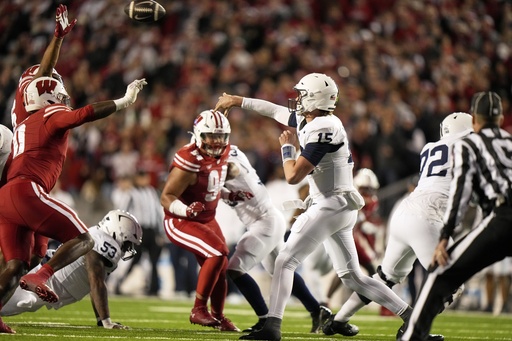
<point>319,319</point>
<point>257,326</point>
<point>263,334</point>
<point>431,337</point>
<point>332,327</point>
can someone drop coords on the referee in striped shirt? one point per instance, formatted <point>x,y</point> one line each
<point>143,201</point>
<point>482,164</point>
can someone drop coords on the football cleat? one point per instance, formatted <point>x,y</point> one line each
<point>33,282</point>
<point>201,316</point>
<point>431,337</point>
<point>5,329</point>
<point>257,326</point>
<point>332,327</point>
<point>320,318</point>
<point>263,334</point>
<point>226,325</point>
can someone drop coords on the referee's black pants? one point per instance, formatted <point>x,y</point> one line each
<point>490,242</point>
<point>151,245</point>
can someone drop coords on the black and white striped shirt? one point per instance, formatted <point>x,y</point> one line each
<point>481,164</point>
<point>143,203</point>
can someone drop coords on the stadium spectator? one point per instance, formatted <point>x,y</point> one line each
<point>430,63</point>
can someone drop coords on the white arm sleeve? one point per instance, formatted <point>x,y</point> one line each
<point>269,109</point>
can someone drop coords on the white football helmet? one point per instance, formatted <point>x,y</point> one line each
<point>365,177</point>
<point>124,228</point>
<point>44,91</point>
<point>315,91</point>
<point>211,132</point>
<point>458,122</point>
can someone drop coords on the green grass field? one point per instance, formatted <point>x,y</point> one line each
<point>154,319</point>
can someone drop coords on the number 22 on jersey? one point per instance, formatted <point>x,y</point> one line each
<point>434,161</point>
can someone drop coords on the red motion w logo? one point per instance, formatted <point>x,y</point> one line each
<point>46,86</point>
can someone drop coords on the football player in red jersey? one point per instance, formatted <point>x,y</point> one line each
<point>190,197</point>
<point>46,68</point>
<point>38,153</point>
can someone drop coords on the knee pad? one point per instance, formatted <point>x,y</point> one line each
<point>287,260</point>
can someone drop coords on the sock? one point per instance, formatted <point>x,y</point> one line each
<point>209,275</point>
<point>301,291</point>
<point>349,308</point>
<point>199,303</point>
<point>406,314</point>
<point>45,272</point>
<point>218,298</point>
<point>220,291</point>
<point>252,293</point>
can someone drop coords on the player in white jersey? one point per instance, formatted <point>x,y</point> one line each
<point>415,225</point>
<point>5,148</point>
<point>327,163</point>
<point>264,237</point>
<point>114,239</point>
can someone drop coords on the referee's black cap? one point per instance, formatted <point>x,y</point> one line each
<point>486,103</point>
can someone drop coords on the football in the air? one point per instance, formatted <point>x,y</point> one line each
<point>144,10</point>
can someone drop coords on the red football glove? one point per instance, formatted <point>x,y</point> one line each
<point>62,26</point>
<point>240,196</point>
<point>194,209</point>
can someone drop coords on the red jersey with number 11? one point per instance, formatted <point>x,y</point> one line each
<point>40,143</point>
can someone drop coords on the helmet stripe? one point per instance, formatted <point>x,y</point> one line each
<point>218,119</point>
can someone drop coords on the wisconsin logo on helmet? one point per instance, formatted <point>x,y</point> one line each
<point>46,86</point>
<point>44,91</point>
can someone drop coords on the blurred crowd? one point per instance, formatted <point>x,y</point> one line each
<point>401,67</point>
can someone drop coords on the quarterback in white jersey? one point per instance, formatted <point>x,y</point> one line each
<point>114,238</point>
<point>264,237</point>
<point>327,163</point>
<point>415,225</point>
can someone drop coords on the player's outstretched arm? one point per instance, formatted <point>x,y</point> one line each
<point>107,108</point>
<point>95,265</point>
<point>227,102</point>
<point>51,54</point>
<point>265,108</point>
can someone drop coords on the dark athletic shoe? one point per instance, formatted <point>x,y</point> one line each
<point>332,327</point>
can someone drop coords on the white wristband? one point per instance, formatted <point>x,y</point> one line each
<point>178,208</point>
<point>121,103</point>
<point>288,152</point>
